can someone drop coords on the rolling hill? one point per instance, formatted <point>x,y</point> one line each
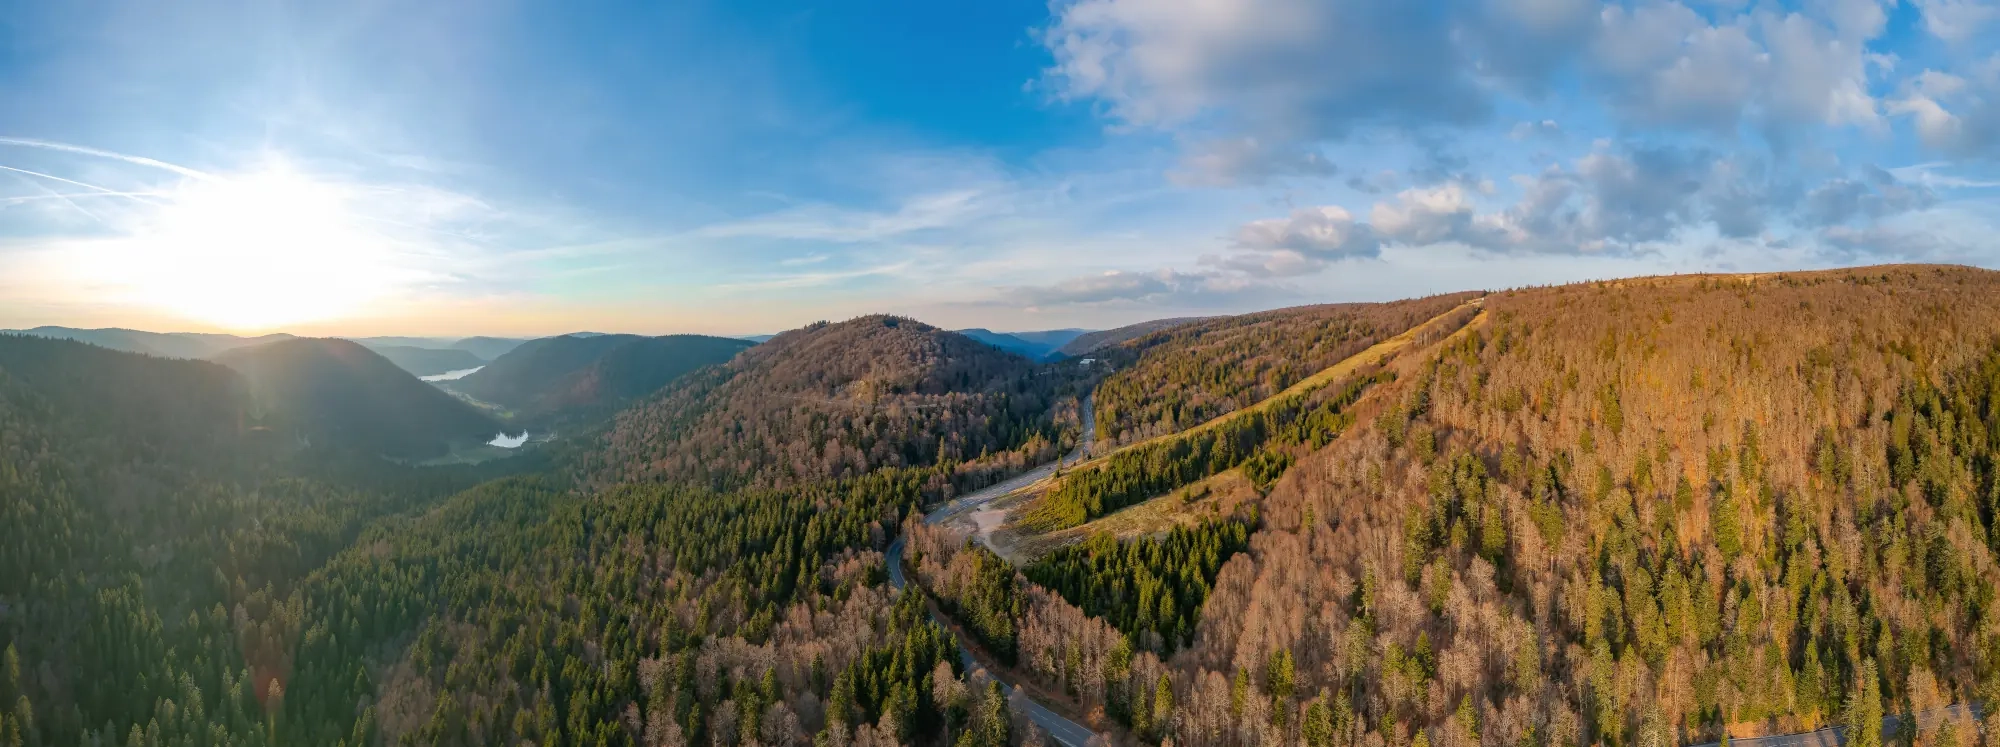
<point>570,378</point>
<point>840,400</point>
<point>339,394</point>
<point>191,408</point>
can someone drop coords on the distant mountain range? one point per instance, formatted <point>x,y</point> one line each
<point>1039,346</point>
<point>163,344</point>
<point>422,356</point>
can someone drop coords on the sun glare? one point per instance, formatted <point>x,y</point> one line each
<point>255,251</point>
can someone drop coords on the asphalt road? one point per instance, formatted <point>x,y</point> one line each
<point>1065,731</point>
<point>1834,736</point>
<point>1068,732</point>
<point>973,501</point>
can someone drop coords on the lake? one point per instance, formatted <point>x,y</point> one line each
<point>505,441</point>
<point>451,375</point>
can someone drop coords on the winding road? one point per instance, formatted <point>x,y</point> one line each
<point>1834,736</point>
<point>1065,731</point>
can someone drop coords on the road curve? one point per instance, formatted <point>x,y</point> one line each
<point>1069,733</point>
<point>972,501</point>
<point>1065,731</point>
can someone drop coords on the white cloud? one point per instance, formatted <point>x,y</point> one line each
<point>1664,64</point>
<point>1287,68</point>
<point>1876,195</point>
<point>1955,114</point>
<point>1116,285</point>
<point>824,222</point>
<point>1958,20</point>
<point>1328,232</point>
<point>1248,160</point>
<point>1546,128</point>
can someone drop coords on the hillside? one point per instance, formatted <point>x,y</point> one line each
<point>163,344</point>
<point>1172,379</point>
<point>152,537</point>
<point>574,376</point>
<point>630,371</point>
<point>487,348</point>
<point>1663,504</point>
<point>1090,342</point>
<point>1632,512</point>
<point>532,369</point>
<point>341,395</point>
<point>841,400</point>
<point>192,408</point>
<point>427,361</point>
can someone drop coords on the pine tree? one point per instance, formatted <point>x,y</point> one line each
<point>1864,708</point>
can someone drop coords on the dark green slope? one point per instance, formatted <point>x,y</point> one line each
<point>581,376</point>
<point>342,395</point>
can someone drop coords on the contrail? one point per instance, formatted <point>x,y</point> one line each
<point>92,187</point>
<point>57,195</point>
<point>65,197</point>
<point>139,160</point>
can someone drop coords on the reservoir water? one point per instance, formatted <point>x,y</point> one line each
<point>452,375</point>
<point>505,441</point>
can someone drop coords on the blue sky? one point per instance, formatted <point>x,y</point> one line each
<point>526,168</point>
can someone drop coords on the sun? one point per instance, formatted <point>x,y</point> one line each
<point>255,251</point>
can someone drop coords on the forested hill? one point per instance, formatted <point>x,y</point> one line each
<point>1179,377</point>
<point>1631,512</point>
<point>151,541</point>
<point>840,400</point>
<point>343,396</point>
<point>192,409</point>
<point>590,376</point>
<point>533,367</point>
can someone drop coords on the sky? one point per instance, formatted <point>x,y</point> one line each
<point>459,167</point>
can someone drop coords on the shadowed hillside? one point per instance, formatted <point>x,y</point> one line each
<point>344,396</point>
<point>573,377</point>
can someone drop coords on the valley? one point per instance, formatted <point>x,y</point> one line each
<point>1600,513</point>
